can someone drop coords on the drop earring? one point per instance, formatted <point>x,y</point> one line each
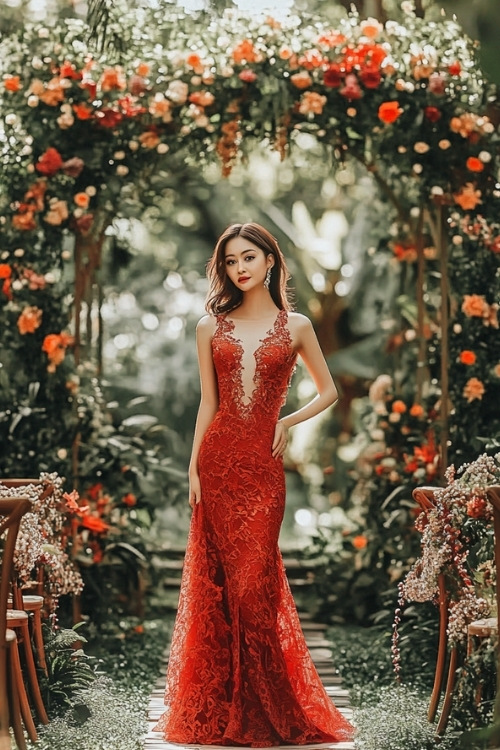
<point>267,280</point>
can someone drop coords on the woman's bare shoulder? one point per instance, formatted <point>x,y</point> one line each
<point>206,325</point>
<point>299,322</point>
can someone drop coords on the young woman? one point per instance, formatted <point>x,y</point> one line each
<point>239,671</point>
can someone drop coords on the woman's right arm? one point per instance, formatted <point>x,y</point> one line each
<point>209,402</point>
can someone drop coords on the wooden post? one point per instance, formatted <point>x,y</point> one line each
<point>422,348</point>
<point>443,268</point>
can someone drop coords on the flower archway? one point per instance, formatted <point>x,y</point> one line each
<point>85,131</point>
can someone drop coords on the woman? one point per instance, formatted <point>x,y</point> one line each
<point>239,670</point>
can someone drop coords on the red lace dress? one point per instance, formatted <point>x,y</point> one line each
<point>239,671</point>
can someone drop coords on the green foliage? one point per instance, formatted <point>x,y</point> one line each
<point>69,669</point>
<point>397,720</point>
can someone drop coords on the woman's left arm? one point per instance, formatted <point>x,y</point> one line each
<point>310,352</point>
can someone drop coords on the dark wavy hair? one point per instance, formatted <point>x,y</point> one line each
<point>223,296</point>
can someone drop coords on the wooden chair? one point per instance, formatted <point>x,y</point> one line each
<point>33,602</point>
<point>424,496</point>
<point>22,609</point>
<point>11,511</point>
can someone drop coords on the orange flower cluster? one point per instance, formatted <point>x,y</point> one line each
<point>34,201</point>
<point>227,145</point>
<point>50,93</point>
<point>469,123</point>
<point>474,390</point>
<point>29,320</point>
<point>468,197</point>
<point>55,345</point>
<point>245,52</point>
<point>12,83</point>
<point>475,306</point>
<point>359,542</point>
<point>311,103</point>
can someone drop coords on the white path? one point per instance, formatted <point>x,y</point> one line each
<point>321,654</point>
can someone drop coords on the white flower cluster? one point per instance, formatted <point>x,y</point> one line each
<point>41,539</point>
<point>464,611</point>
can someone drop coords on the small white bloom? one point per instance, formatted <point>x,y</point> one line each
<point>162,148</point>
<point>394,417</point>
<point>91,190</point>
<point>33,101</point>
<point>10,119</point>
<point>66,255</point>
<point>418,168</point>
<point>488,127</point>
<point>133,145</point>
<point>17,285</point>
<point>50,278</point>
<point>122,170</point>
<point>444,144</point>
<point>43,33</point>
<point>485,156</point>
<point>402,149</point>
<point>36,63</point>
<point>421,147</point>
<point>437,190</point>
<point>457,239</point>
<point>62,453</point>
<point>118,155</point>
<point>19,252</point>
<point>457,328</point>
<point>78,213</point>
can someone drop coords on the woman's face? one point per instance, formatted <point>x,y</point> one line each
<point>246,264</point>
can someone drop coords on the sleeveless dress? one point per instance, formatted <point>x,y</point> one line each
<point>239,671</point>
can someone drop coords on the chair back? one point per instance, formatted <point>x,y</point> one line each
<point>12,510</point>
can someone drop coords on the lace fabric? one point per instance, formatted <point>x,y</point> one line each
<point>239,671</point>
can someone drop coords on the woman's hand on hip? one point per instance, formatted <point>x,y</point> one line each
<point>194,490</point>
<point>280,439</point>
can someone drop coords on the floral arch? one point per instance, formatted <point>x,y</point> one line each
<point>84,128</point>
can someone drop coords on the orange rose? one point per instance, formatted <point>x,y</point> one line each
<point>467,357</point>
<point>5,271</point>
<point>468,198</point>
<point>496,370</point>
<point>12,83</point>
<point>53,93</point>
<point>82,200</point>
<point>142,69</point>
<point>82,111</point>
<point>473,389</point>
<point>57,213</point>
<point>24,222</point>
<point>36,193</point>
<point>245,52</point>
<point>360,541</point>
<point>285,53</point>
<point>474,164</point>
<point>417,410</point>
<point>399,407</point>
<point>54,345</point>
<point>149,139</point>
<point>202,98</point>
<point>113,79</point>
<point>29,320</point>
<point>301,80</point>
<point>194,61</point>
<point>129,499</point>
<point>161,107</point>
<point>311,103</point>
<point>475,306</point>
<point>389,112</point>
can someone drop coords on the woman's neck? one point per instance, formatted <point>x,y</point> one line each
<point>257,304</point>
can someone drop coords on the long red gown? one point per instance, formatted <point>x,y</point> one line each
<point>239,671</point>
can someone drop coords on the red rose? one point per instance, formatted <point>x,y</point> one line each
<point>108,118</point>
<point>370,78</point>
<point>455,69</point>
<point>433,114</point>
<point>50,162</point>
<point>332,77</point>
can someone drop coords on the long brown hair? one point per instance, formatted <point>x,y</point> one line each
<point>223,295</point>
